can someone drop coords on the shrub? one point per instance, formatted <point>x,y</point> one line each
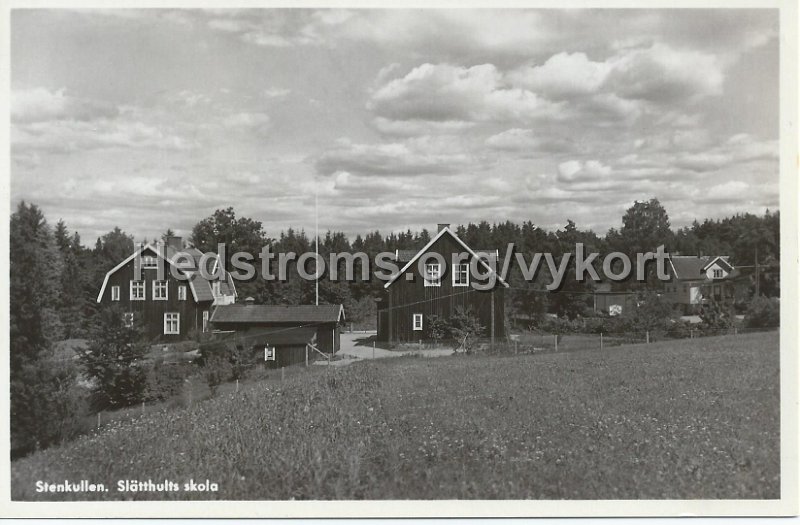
<point>465,329</point>
<point>763,313</point>
<point>114,361</point>
<point>437,328</point>
<point>47,405</point>
<point>166,380</point>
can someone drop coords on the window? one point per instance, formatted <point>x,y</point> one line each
<point>717,274</point>
<point>127,318</point>
<point>182,292</point>
<point>115,293</point>
<point>417,321</point>
<point>433,275</point>
<point>172,324</point>
<point>149,261</point>
<point>205,321</point>
<point>461,274</point>
<point>137,290</point>
<point>160,290</point>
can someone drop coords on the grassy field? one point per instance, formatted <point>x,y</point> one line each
<point>683,419</point>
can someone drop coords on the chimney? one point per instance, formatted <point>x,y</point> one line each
<point>441,226</point>
<point>174,242</point>
<point>249,301</point>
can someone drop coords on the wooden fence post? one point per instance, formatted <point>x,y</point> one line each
<point>601,341</point>
<point>555,338</point>
<point>306,355</point>
<point>237,386</point>
<point>373,349</point>
<point>647,337</point>
<point>98,420</point>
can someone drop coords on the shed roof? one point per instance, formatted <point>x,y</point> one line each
<point>255,314</point>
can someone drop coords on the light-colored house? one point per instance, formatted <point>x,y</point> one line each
<point>696,279</point>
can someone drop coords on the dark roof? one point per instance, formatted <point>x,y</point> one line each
<point>691,267</point>
<point>238,313</point>
<point>202,288</point>
<point>295,335</point>
<point>688,266</point>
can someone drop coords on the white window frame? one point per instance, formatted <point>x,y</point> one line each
<point>458,270</point>
<point>717,273</point>
<point>149,262</point>
<point>429,280</point>
<point>128,319</point>
<point>115,293</point>
<point>157,286</point>
<point>138,286</point>
<point>182,292</point>
<point>416,322</point>
<point>169,318</point>
<point>205,320</point>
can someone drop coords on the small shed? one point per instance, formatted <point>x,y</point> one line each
<point>288,329</point>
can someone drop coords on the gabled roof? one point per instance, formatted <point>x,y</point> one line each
<point>446,230</point>
<point>693,267</point>
<point>254,314</point>
<point>721,260</point>
<point>200,287</point>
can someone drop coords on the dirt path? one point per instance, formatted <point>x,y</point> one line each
<point>355,346</point>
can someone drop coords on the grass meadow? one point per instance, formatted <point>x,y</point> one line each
<point>680,419</point>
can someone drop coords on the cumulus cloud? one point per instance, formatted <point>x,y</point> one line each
<point>564,75</point>
<point>577,171</point>
<point>664,74</point>
<point>444,92</point>
<point>48,121</point>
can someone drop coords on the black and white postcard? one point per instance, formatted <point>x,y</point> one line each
<point>536,259</point>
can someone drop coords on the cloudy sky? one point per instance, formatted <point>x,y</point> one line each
<point>150,120</point>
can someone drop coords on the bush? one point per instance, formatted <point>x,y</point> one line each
<point>763,313</point>
<point>437,328</point>
<point>465,329</point>
<point>166,380</point>
<point>47,405</point>
<point>114,362</point>
<point>222,361</point>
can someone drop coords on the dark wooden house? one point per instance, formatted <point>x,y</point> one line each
<point>425,287</point>
<point>287,329</point>
<point>168,308</point>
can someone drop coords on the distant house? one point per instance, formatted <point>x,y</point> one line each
<point>287,329</point>
<point>169,309</point>
<point>695,279</point>
<point>412,297</point>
